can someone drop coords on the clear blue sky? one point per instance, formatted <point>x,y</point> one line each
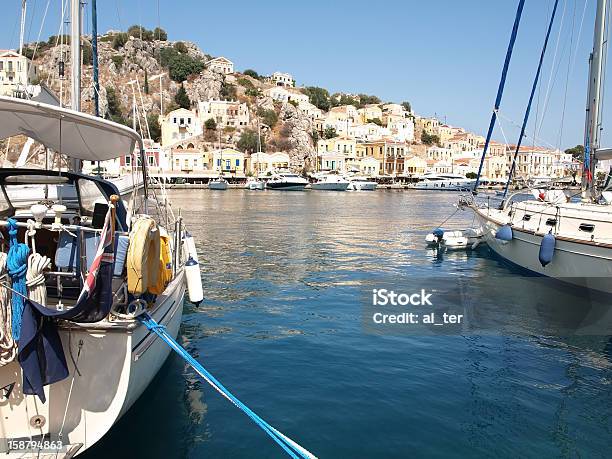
<point>443,56</point>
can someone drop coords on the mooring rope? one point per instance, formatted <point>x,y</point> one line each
<point>8,348</point>
<point>37,263</point>
<point>291,448</point>
<point>17,263</point>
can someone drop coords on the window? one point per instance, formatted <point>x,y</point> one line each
<point>218,163</point>
<point>237,163</point>
<point>128,160</point>
<point>228,165</point>
<point>151,160</point>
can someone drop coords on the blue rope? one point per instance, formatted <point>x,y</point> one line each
<point>290,447</point>
<point>17,264</point>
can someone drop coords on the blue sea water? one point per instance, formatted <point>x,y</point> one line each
<point>281,326</point>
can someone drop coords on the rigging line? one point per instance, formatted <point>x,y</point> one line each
<point>31,21</point>
<point>537,113</point>
<point>579,32</point>
<point>554,69</point>
<point>529,136</point>
<point>42,24</point>
<point>533,88</point>
<point>569,60</point>
<point>605,64</point>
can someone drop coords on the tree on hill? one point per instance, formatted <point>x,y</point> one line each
<point>228,91</point>
<point>180,66</point>
<point>146,82</point>
<point>329,133</point>
<point>430,139</point>
<point>576,152</point>
<point>154,127</point>
<point>252,73</point>
<point>182,99</point>
<point>269,117</point>
<point>407,106</point>
<point>249,141</point>
<point>319,97</point>
<point>181,47</point>
<point>365,99</point>
<point>119,40</point>
<point>210,124</point>
<point>114,106</point>
<point>375,121</point>
<point>160,34</point>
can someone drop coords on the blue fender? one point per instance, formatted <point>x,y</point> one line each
<point>438,232</point>
<point>547,249</point>
<point>504,233</point>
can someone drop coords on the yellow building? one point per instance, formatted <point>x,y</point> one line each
<point>345,145</point>
<point>415,165</point>
<point>370,112</point>
<point>227,161</point>
<point>16,72</point>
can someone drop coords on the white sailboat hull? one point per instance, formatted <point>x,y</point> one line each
<point>86,405</point>
<point>330,186</point>
<point>578,263</point>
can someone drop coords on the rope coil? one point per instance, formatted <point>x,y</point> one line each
<point>8,348</point>
<point>17,263</point>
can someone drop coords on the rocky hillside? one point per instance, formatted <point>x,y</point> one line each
<point>125,58</point>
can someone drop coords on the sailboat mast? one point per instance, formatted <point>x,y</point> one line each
<point>594,100</point>
<point>94,49</point>
<point>75,55</point>
<point>24,8</point>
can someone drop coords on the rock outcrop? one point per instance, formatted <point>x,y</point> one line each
<point>299,128</point>
<point>206,86</point>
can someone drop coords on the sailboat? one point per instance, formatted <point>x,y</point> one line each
<point>83,268</point>
<point>552,235</point>
<point>219,182</point>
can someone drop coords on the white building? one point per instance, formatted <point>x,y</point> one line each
<point>221,64</point>
<point>401,129</point>
<point>261,163</point>
<point>283,79</point>
<point>310,110</point>
<point>332,161</point>
<point>225,113</point>
<point>16,72</point>
<point>369,131</point>
<point>281,94</point>
<point>179,125</point>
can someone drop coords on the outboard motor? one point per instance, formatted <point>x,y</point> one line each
<point>435,237</point>
<point>547,249</point>
<point>504,234</point>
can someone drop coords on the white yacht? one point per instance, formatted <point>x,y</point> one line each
<point>360,183</point>
<point>286,181</point>
<point>330,182</point>
<point>443,182</point>
<point>552,235</point>
<point>218,183</point>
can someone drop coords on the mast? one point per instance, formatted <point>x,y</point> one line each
<point>94,49</point>
<point>75,55</point>
<point>592,131</point>
<point>24,7</point>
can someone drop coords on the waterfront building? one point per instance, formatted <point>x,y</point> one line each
<point>221,64</point>
<point>414,166</point>
<point>344,145</point>
<point>179,124</point>
<point>16,73</point>
<point>331,161</point>
<point>261,163</point>
<point>189,161</point>
<point>369,166</point>
<point>283,79</point>
<point>227,161</point>
<point>225,113</point>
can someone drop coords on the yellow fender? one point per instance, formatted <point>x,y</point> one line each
<point>165,265</point>
<point>143,260</point>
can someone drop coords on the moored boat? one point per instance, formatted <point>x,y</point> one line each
<point>218,183</point>
<point>286,181</point>
<point>443,182</point>
<point>84,306</point>
<point>360,183</point>
<point>330,182</point>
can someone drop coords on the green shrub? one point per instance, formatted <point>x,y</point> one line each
<point>118,61</point>
<point>245,82</point>
<point>181,47</point>
<point>119,40</point>
<point>269,117</point>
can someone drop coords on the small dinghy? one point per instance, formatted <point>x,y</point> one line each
<point>469,238</point>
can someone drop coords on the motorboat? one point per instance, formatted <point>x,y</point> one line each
<point>443,182</point>
<point>286,181</point>
<point>218,183</point>
<point>457,239</point>
<point>360,183</point>
<point>254,184</point>
<point>88,281</point>
<point>330,182</point>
